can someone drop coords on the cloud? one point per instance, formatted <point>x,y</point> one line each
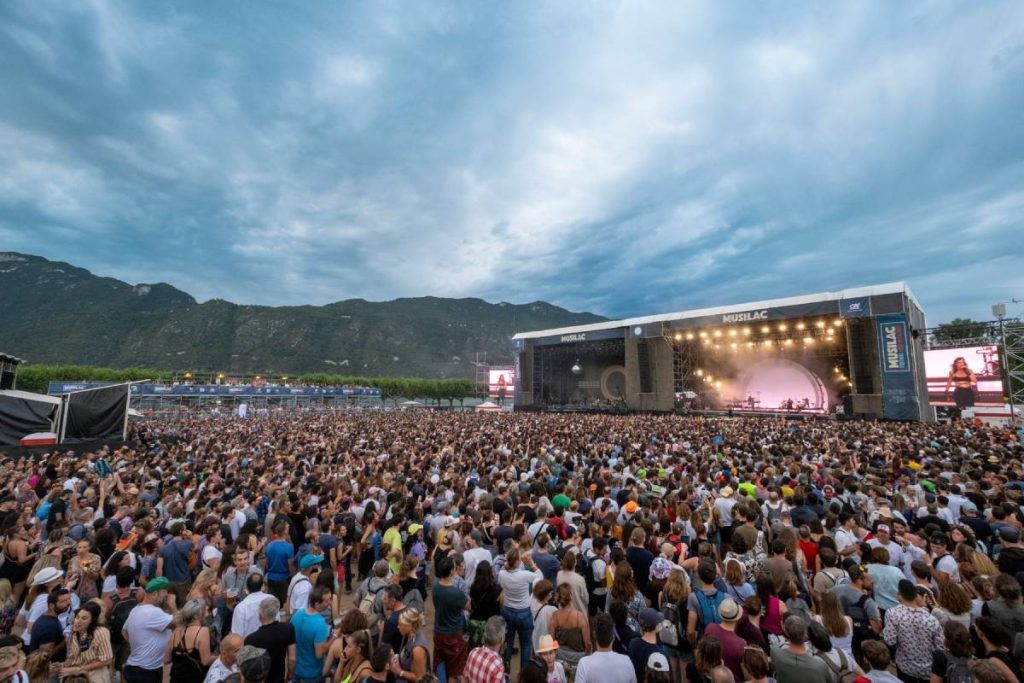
<point>631,159</point>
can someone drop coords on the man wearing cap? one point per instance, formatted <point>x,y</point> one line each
<point>724,632</point>
<point>302,583</point>
<point>253,664</point>
<point>883,539</point>
<point>147,631</point>
<point>640,649</point>
<point>724,504</point>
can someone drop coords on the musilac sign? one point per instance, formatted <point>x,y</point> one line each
<point>568,338</point>
<point>899,393</point>
<point>745,317</point>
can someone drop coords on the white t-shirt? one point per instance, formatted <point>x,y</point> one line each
<point>148,635</point>
<point>298,592</point>
<point>210,553</point>
<point>895,551</point>
<point>844,539</point>
<point>605,667</point>
<point>516,585</point>
<point>473,558</point>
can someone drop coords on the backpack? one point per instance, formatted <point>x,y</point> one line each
<point>669,634</point>
<point>366,604</point>
<point>844,673</point>
<point>585,566</point>
<point>957,670</point>
<point>413,599</point>
<point>708,609</point>
<point>348,520</point>
<point>118,617</point>
<point>847,505</point>
<point>774,514</point>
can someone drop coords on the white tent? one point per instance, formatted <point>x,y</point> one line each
<point>488,407</point>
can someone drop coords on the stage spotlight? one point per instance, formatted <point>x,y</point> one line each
<point>820,324</point>
<point>678,336</point>
<point>808,340</point>
<point>732,333</point>
<point>718,385</point>
<point>789,342</point>
<point>733,346</point>
<point>767,343</point>
<point>830,331</point>
<point>576,369</point>
<point>689,336</point>
<point>782,327</point>
<point>765,329</point>
<point>707,342</point>
<point>703,334</point>
<point>699,372</point>
<point>800,326</point>
<point>836,369</point>
<point>837,323</point>
<point>718,333</point>
<point>746,331</point>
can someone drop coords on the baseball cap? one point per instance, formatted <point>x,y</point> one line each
<point>650,618</point>
<point>158,584</point>
<point>657,662</point>
<point>1009,534</point>
<point>253,663</point>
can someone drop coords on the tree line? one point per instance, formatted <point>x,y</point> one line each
<point>38,377</point>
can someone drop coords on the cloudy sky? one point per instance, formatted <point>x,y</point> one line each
<point>620,157</point>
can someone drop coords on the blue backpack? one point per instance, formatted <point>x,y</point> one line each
<point>708,609</point>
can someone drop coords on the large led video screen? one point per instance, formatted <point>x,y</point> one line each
<point>963,377</point>
<point>501,381</point>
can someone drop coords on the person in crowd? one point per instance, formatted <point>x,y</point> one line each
<point>226,662</point>
<point>484,664</point>
<point>313,638</point>
<point>277,638</point>
<point>842,666</point>
<point>413,662</point>
<point>147,631</point>
<point>794,661</point>
<point>547,653</point>
<point>914,633</point>
<point>568,626</point>
<point>450,641</point>
<point>246,616</point>
<point>517,583</point>
<point>604,665</point>
<point>877,660</point>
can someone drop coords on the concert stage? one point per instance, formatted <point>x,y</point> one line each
<point>854,352</point>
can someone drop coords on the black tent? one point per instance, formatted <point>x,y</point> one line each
<point>93,414</point>
<point>23,413</point>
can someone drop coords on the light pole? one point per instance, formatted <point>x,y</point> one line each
<point>999,311</point>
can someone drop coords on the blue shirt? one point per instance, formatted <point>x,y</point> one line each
<point>279,553</point>
<point>310,629</point>
<point>175,555</point>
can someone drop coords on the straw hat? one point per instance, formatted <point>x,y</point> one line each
<point>546,643</point>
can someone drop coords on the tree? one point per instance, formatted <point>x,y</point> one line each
<point>960,328</point>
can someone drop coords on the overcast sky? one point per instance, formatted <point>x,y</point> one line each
<point>620,157</point>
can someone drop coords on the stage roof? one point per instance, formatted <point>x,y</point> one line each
<point>874,290</point>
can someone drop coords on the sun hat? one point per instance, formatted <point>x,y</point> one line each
<point>660,568</point>
<point>46,575</point>
<point>729,610</point>
<point>413,528</point>
<point>158,584</point>
<point>546,643</point>
<point>657,662</point>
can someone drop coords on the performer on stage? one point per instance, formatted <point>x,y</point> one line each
<point>965,382</point>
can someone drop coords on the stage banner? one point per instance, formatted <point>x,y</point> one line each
<point>857,307</point>
<point>899,395</point>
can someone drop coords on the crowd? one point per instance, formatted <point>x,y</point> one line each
<point>372,546</point>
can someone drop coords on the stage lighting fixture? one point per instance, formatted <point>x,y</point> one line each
<point>733,346</point>
<point>782,327</point>
<point>703,335</point>
<point>718,333</point>
<point>789,342</point>
<point>699,372</point>
<point>732,333</point>
<point>750,345</point>
<point>689,336</point>
<point>765,329</point>
<point>678,336</point>
<point>718,385</point>
<point>576,369</point>
<point>707,342</point>
<point>767,343</point>
<point>808,340</point>
<point>820,324</point>
<point>746,331</point>
<point>830,332</point>
<point>836,369</point>
<point>838,323</point>
<point>800,326</point>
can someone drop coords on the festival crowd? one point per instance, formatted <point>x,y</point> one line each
<point>379,547</point>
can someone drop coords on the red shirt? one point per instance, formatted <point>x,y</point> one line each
<point>810,550</point>
<point>484,665</point>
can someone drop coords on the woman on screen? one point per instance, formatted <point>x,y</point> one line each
<point>965,383</point>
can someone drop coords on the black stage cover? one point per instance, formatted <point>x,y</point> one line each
<point>21,415</point>
<point>96,414</point>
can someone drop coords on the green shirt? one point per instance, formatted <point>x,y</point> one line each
<point>563,500</point>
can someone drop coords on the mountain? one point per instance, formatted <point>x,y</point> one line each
<point>53,312</point>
